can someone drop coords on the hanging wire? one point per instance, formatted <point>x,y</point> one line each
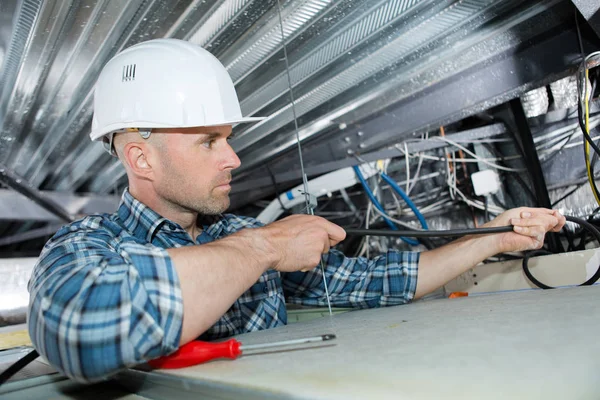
<point>304,178</point>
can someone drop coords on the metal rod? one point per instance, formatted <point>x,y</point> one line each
<point>304,177</point>
<point>31,234</point>
<point>293,342</point>
<point>20,185</point>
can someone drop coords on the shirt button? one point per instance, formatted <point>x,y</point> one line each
<point>266,289</point>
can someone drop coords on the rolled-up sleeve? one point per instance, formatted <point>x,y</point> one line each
<point>386,280</point>
<point>96,309</point>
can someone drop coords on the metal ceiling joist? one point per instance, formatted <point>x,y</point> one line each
<point>17,206</point>
<point>30,234</point>
<point>23,187</point>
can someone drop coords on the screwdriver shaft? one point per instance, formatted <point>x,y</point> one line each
<point>251,347</point>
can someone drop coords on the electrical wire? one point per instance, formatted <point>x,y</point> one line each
<point>586,101</point>
<point>475,156</point>
<point>378,205</point>
<point>406,199</point>
<point>584,224</point>
<point>387,216</point>
<point>18,365</point>
<point>477,159</point>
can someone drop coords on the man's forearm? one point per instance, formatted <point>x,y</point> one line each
<point>213,276</point>
<point>439,266</point>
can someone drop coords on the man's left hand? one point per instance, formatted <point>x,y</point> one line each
<point>530,227</point>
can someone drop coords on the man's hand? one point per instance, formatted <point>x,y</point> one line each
<point>530,227</point>
<point>439,266</point>
<point>298,241</point>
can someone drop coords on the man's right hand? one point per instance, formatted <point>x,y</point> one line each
<point>298,241</point>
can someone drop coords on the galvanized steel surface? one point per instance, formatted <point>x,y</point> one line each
<point>57,48</point>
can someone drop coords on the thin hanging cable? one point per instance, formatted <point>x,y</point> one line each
<point>304,178</point>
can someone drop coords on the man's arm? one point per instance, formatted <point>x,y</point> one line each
<point>96,309</point>
<point>394,278</point>
<point>214,275</point>
<point>439,266</point>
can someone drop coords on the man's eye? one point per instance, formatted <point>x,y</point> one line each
<point>209,144</point>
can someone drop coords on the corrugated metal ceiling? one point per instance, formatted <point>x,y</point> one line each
<point>349,61</point>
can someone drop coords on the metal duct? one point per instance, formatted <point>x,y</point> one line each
<point>535,102</point>
<point>14,297</point>
<point>564,92</point>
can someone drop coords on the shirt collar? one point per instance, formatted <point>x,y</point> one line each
<point>139,219</point>
<point>144,223</point>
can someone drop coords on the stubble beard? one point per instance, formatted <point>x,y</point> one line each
<point>214,205</point>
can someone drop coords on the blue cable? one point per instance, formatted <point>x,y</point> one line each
<point>406,199</point>
<point>376,203</point>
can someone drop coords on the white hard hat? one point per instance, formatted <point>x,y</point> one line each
<point>164,83</point>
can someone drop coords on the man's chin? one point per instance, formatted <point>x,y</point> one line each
<point>217,207</point>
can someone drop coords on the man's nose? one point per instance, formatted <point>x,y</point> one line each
<point>232,161</point>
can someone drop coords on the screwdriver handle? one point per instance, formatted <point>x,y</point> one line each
<point>197,352</point>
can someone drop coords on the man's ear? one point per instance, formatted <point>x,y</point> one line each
<point>137,158</point>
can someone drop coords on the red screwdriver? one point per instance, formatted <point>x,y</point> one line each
<point>197,352</point>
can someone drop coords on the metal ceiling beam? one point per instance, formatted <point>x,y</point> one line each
<point>29,235</point>
<point>21,206</point>
<point>23,187</point>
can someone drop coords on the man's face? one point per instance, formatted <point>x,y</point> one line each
<point>195,167</point>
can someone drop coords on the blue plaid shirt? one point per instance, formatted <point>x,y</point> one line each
<point>105,294</point>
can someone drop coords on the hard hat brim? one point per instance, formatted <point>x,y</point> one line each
<point>98,134</point>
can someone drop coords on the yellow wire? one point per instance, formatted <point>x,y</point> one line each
<point>588,166</point>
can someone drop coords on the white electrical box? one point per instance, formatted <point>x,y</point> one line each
<point>485,182</point>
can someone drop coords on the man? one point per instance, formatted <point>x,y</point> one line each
<point>112,291</point>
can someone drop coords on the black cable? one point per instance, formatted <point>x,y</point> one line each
<point>584,224</point>
<point>499,202</point>
<point>17,366</point>
<point>593,162</point>
<point>428,233</point>
<point>486,214</point>
<point>579,33</point>
<point>591,142</point>
<point>584,130</point>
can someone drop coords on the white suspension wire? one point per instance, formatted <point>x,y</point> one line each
<point>397,221</point>
<point>469,152</point>
<point>304,178</point>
